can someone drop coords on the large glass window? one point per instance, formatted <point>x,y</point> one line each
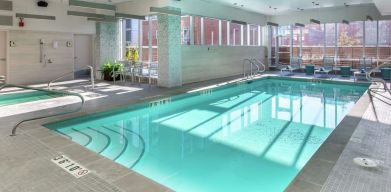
<point>211,31</point>
<point>224,32</point>
<point>296,41</point>
<point>313,43</point>
<point>384,40</point>
<point>149,39</point>
<point>254,35</point>
<point>284,38</point>
<point>197,30</point>
<point>330,39</point>
<point>245,35</point>
<point>185,32</point>
<point>350,43</point>
<point>371,39</point>
<point>347,42</point>
<point>145,40</point>
<point>235,34</point>
<point>132,32</point>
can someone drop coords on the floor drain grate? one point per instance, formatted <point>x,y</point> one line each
<point>365,162</point>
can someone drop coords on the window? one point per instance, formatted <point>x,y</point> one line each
<point>235,34</point>
<point>254,35</point>
<point>350,43</point>
<point>211,31</point>
<point>272,42</point>
<point>330,39</point>
<point>185,33</point>
<point>296,41</point>
<point>371,39</point>
<point>224,32</point>
<point>197,30</point>
<point>313,43</point>
<point>145,40</point>
<point>149,39</point>
<point>284,34</point>
<point>245,35</point>
<point>131,32</point>
<point>384,39</point>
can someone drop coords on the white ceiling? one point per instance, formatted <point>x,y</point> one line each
<point>384,6</point>
<point>286,6</point>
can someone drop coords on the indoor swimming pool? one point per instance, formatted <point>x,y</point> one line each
<point>25,96</point>
<point>249,136</point>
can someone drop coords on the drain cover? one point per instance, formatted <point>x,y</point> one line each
<point>365,162</point>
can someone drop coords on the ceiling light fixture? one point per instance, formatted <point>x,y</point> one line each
<point>315,21</point>
<point>299,25</point>
<point>272,24</point>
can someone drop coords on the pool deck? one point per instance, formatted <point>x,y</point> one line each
<point>25,159</point>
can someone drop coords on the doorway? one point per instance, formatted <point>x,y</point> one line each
<point>83,55</point>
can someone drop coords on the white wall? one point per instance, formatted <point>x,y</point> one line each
<point>200,63</point>
<point>330,15</point>
<point>63,22</point>
<point>24,66</point>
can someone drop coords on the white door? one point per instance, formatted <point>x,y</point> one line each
<point>3,47</point>
<point>83,54</point>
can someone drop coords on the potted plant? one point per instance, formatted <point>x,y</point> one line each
<point>108,69</point>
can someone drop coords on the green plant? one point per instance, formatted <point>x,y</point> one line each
<point>108,69</point>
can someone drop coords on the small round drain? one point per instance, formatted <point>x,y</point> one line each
<point>365,162</point>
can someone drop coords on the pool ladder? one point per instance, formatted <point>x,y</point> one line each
<point>253,63</point>
<point>378,80</point>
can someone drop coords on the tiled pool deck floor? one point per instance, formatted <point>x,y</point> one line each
<point>25,159</point>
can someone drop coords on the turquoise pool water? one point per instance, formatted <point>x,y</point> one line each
<point>248,137</point>
<point>15,98</point>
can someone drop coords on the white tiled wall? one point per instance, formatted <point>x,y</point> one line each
<point>24,66</point>
<point>200,63</point>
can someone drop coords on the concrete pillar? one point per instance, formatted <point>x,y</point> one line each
<point>170,53</point>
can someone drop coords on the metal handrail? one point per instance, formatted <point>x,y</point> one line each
<point>70,73</point>
<point>46,116</point>
<point>261,64</point>
<point>252,62</point>
<point>375,80</point>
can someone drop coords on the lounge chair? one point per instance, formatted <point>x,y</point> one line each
<point>328,66</point>
<point>153,72</point>
<point>365,65</point>
<point>295,64</point>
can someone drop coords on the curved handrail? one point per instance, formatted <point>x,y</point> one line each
<point>373,79</point>
<point>261,64</point>
<point>253,62</point>
<point>46,116</point>
<point>244,66</point>
<point>70,73</point>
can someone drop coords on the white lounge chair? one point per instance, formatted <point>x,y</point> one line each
<point>295,64</point>
<point>327,68</point>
